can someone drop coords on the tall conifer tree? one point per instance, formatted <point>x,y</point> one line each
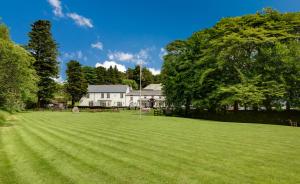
<point>77,84</point>
<point>44,49</point>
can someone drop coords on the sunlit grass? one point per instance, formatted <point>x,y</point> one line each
<point>62,147</point>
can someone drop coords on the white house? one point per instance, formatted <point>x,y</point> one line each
<point>123,96</point>
<point>106,96</point>
<point>152,96</point>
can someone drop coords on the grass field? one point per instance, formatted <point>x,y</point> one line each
<point>87,148</point>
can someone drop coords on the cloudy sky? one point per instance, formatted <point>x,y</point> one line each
<point>124,32</point>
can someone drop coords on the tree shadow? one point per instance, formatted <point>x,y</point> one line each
<point>6,124</point>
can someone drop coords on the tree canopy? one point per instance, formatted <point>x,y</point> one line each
<point>44,49</point>
<point>76,83</point>
<point>252,61</point>
<point>101,75</point>
<point>18,78</point>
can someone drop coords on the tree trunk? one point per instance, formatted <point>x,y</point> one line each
<point>38,103</point>
<point>288,106</point>
<point>187,106</point>
<point>73,102</point>
<point>236,106</point>
<point>255,107</point>
<point>268,106</point>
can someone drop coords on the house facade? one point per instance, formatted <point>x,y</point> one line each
<point>123,96</point>
<point>151,97</point>
<point>105,96</point>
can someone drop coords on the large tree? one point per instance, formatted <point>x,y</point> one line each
<point>206,68</point>
<point>43,48</point>
<point>18,79</point>
<point>76,82</point>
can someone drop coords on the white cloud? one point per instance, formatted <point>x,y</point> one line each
<point>97,45</point>
<point>141,57</point>
<point>154,71</point>
<point>162,53</point>
<point>59,80</point>
<point>120,56</point>
<point>57,8</point>
<point>78,55</point>
<point>107,64</point>
<point>80,20</point>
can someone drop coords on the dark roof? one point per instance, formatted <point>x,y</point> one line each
<point>146,93</point>
<point>107,88</point>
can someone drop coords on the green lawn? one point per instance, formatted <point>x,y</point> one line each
<point>87,148</point>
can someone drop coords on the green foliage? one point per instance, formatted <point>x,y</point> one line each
<point>44,49</point>
<point>251,60</point>
<point>18,79</point>
<point>130,83</point>
<point>4,32</point>
<point>89,74</point>
<point>76,83</point>
<point>134,74</point>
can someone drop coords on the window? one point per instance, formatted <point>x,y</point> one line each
<point>121,95</point>
<point>131,98</point>
<point>102,95</point>
<point>102,103</point>
<point>108,95</point>
<point>119,104</point>
<point>88,95</point>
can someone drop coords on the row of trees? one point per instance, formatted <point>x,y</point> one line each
<point>101,75</point>
<point>251,61</point>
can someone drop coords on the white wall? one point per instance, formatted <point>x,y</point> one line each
<point>134,101</point>
<point>115,98</point>
<point>97,97</point>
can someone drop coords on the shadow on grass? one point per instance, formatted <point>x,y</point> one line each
<point>253,117</point>
<point>5,124</point>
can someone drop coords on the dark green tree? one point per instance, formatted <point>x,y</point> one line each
<point>44,49</point>
<point>102,76</point>
<point>90,74</point>
<point>76,83</point>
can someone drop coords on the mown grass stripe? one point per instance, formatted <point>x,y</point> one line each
<point>249,166</point>
<point>165,160</point>
<point>165,148</point>
<point>240,164</point>
<point>110,158</point>
<point>138,138</point>
<point>76,166</point>
<point>7,174</point>
<point>232,142</point>
<point>30,166</point>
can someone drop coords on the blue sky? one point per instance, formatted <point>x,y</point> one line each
<point>124,32</point>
